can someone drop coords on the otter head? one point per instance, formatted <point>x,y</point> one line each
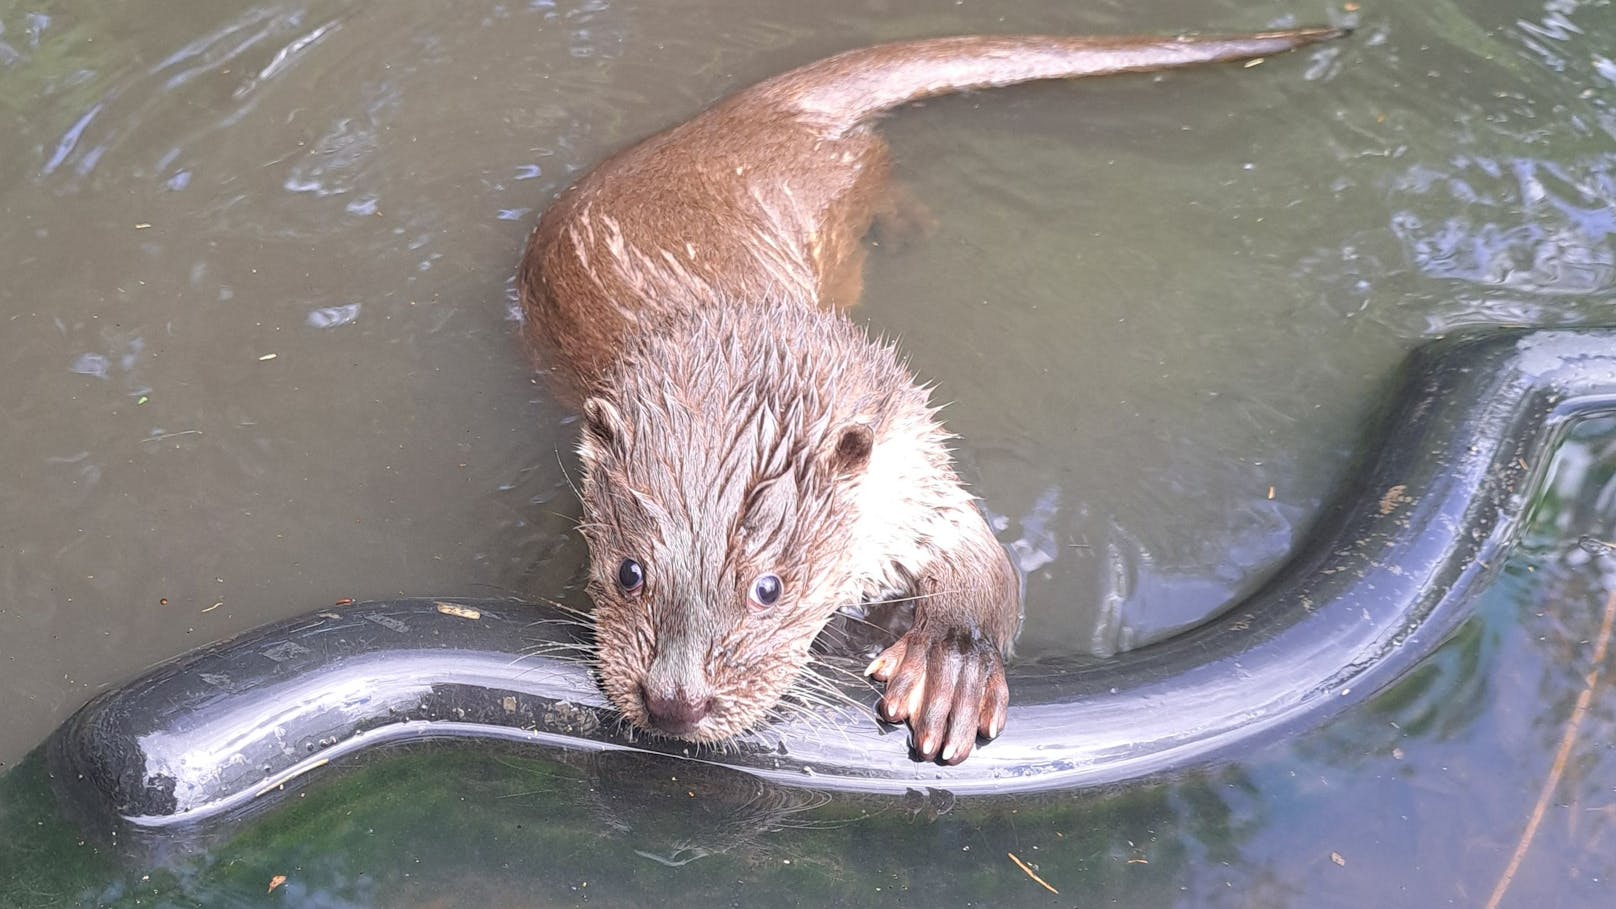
<point>718,497</point>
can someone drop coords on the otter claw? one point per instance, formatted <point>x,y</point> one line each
<point>949,687</point>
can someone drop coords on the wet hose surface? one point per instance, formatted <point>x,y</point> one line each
<point>1390,570</point>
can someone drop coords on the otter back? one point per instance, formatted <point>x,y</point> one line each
<point>752,462</point>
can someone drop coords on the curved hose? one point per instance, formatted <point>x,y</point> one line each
<point>1390,570</point>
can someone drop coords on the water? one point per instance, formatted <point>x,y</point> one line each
<point>256,312</point>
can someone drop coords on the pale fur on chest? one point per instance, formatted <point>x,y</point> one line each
<point>910,506</point>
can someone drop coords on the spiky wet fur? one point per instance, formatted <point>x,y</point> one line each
<point>722,468</point>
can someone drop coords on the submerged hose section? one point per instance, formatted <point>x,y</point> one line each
<point>1391,569</point>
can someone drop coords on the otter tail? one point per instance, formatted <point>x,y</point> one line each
<point>844,90</point>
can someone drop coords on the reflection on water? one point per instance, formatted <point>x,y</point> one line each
<point>258,262</point>
<point>1550,233</point>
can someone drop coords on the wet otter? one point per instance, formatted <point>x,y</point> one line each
<point>753,461</point>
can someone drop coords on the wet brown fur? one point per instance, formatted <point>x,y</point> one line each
<point>736,423</point>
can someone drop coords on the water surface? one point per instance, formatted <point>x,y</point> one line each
<point>260,357</point>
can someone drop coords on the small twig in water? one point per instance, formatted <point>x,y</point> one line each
<point>1032,874</point>
<point>1572,731</point>
<point>173,435</point>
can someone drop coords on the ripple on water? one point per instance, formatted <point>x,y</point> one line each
<point>1531,226</point>
<point>118,106</point>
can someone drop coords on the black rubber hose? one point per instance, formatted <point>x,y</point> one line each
<point>1391,569</point>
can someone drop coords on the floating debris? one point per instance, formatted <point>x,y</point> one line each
<point>1032,874</point>
<point>458,611</point>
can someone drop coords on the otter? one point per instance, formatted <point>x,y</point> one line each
<point>753,462</point>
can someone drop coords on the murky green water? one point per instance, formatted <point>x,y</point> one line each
<point>256,316</point>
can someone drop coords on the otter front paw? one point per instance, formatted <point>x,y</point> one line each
<point>949,685</point>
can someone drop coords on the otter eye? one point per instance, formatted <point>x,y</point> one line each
<point>766,590</point>
<point>630,576</point>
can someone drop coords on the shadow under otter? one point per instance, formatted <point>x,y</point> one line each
<point>1390,570</point>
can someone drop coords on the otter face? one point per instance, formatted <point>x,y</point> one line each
<point>717,534</point>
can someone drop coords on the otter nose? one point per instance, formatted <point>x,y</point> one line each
<point>676,712</point>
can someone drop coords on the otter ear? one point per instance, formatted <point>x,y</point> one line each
<point>604,427</point>
<point>849,448</point>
